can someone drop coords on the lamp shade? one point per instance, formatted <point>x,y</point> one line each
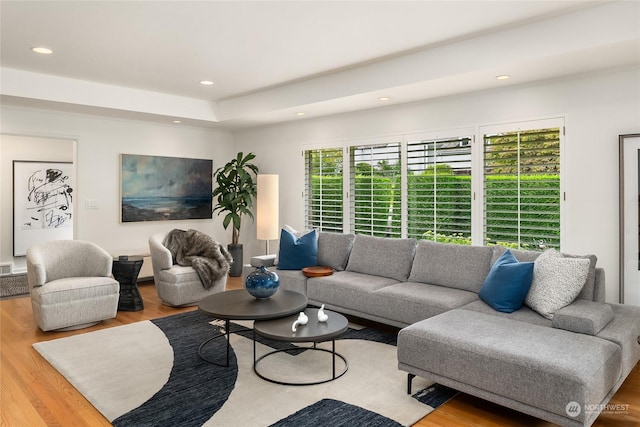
<point>267,219</point>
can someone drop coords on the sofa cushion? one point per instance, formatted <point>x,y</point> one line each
<point>442,264</point>
<point>520,254</point>
<point>507,283</point>
<point>381,256</point>
<point>291,280</point>
<point>587,292</point>
<point>410,302</point>
<point>525,314</point>
<point>540,367</point>
<point>334,249</point>
<point>583,317</point>
<point>624,330</point>
<point>296,252</point>
<point>346,289</point>
<point>557,281</point>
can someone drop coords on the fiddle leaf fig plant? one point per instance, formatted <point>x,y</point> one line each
<point>237,188</point>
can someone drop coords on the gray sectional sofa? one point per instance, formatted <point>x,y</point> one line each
<point>563,369</point>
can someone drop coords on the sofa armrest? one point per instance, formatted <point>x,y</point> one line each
<point>599,285</point>
<point>583,317</point>
<point>266,260</point>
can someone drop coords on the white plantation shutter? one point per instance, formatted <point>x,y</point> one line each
<point>522,188</point>
<point>323,183</point>
<point>439,192</point>
<point>375,189</point>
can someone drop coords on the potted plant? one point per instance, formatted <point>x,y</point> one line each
<point>237,188</point>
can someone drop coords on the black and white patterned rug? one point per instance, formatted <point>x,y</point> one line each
<point>149,374</point>
<point>14,286</point>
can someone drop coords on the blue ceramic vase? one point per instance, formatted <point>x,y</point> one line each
<point>262,283</point>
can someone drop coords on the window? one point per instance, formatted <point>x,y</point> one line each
<point>522,188</point>
<point>323,184</point>
<point>375,201</point>
<point>503,187</point>
<point>439,190</point>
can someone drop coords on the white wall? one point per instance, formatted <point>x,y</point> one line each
<point>14,147</point>
<point>100,141</point>
<point>597,108</point>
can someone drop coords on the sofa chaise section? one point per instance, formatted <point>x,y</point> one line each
<point>549,373</point>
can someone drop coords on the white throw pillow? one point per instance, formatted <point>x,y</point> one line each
<point>557,281</point>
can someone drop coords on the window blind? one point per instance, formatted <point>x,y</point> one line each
<point>439,190</point>
<point>375,189</point>
<point>323,184</point>
<point>522,189</point>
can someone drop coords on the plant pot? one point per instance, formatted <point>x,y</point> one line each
<point>236,253</point>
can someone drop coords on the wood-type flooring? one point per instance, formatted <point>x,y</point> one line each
<point>32,393</point>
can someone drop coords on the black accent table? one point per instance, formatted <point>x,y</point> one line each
<point>126,271</point>
<point>314,331</point>
<point>240,305</point>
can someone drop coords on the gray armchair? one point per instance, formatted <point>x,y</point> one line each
<point>177,285</point>
<point>70,284</point>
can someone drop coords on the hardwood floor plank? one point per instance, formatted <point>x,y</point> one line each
<point>33,393</point>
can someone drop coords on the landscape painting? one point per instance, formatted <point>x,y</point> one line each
<point>156,188</point>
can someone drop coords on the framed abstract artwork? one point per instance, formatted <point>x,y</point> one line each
<point>629,146</point>
<point>157,188</point>
<point>42,203</point>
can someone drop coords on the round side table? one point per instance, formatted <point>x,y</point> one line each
<point>126,271</point>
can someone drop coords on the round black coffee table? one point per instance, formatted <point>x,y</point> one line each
<point>240,305</point>
<point>314,331</point>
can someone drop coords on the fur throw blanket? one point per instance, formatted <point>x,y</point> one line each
<point>193,248</point>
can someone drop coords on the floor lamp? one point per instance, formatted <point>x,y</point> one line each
<point>267,220</point>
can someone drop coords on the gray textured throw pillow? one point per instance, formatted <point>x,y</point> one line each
<point>557,281</point>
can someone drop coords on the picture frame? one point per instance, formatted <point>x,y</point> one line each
<point>159,188</point>
<point>42,203</point>
<point>629,179</point>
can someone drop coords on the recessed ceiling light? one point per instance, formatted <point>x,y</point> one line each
<point>177,122</point>
<point>206,82</point>
<point>503,77</point>
<point>42,50</point>
<point>384,98</point>
<point>300,113</point>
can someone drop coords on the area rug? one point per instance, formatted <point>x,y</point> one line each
<point>149,374</point>
<point>12,286</point>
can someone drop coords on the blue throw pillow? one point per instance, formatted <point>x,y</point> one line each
<point>507,283</point>
<point>297,253</point>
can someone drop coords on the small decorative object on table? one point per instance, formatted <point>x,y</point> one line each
<point>302,319</point>
<point>317,271</point>
<point>262,283</point>
<point>322,316</point>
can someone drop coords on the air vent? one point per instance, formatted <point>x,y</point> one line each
<point>5,269</point>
